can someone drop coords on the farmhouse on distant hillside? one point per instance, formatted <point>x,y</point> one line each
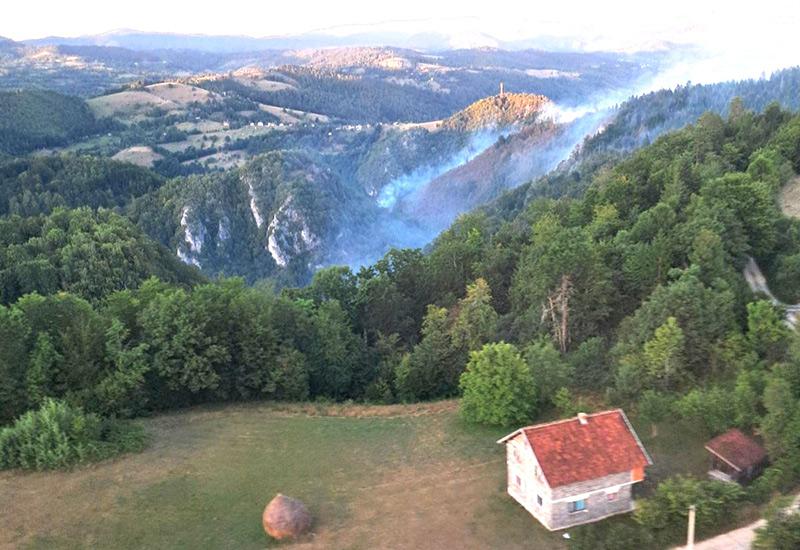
<point>735,457</point>
<point>577,470</point>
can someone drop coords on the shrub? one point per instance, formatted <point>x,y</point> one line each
<point>654,407</point>
<point>664,514</point>
<point>498,387</point>
<point>770,482</point>
<point>712,409</point>
<point>611,534</point>
<point>58,435</point>
<point>782,531</point>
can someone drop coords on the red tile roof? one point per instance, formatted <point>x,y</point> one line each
<point>570,452</point>
<point>737,449</point>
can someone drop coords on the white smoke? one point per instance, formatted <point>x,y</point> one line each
<point>408,184</point>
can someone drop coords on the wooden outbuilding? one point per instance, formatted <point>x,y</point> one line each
<point>735,457</point>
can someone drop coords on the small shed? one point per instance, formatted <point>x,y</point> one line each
<point>735,457</point>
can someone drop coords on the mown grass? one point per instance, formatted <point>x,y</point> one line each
<point>407,477</point>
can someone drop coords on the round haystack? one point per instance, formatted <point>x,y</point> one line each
<point>285,517</point>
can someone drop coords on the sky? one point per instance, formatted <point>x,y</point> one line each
<point>751,37</point>
<point>509,19</point>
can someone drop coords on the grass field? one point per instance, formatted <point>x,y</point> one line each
<point>138,155</point>
<point>374,477</point>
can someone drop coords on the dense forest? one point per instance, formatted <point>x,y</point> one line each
<point>37,185</point>
<point>641,119</point>
<point>83,252</point>
<point>36,119</point>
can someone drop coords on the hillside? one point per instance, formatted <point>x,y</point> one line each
<point>440,82</point>
<point>37,185</point>
<point>499,112</point>
<point>382,184</point>
<point>279,215</point>
<point>508,162</point>
<point>35,119</point>
<point>642,119</point>
<point>88,254</point>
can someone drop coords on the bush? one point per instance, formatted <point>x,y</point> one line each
<point>782,531</point>
<point>665,513</point>
<point>58,435</point>
<point>777,478</point>
<point>712,409</point>
<point>498,387</point>
<point>611,534</point>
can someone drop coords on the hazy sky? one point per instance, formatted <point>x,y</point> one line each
<point>743,39</point>
<point>621,19</point>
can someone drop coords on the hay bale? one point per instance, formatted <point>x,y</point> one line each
<point>285,517</point>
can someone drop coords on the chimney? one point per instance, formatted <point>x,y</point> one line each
<point>582,419</point>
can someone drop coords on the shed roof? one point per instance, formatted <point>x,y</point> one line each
<point>570,451</point>
<point>737,449</point>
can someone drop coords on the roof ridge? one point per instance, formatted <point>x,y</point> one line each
<point>570,419</point>
<point>554,422</point>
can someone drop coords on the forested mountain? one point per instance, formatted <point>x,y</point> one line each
<point>378,79</point>
<point>282,210</point>
<point>354,190</point>
<point>640,120</point>
<point>37,185</point>
<point>36,119</point>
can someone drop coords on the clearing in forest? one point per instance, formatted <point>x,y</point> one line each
<point>398,476</point>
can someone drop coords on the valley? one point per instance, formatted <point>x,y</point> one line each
<point>380,179</point>
<point>339,265</point>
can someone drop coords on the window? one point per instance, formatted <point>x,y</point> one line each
<point>538,500</point>
<point>577,506</point>
<point>518,481</point>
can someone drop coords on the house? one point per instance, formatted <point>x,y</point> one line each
<point>735,457</point>
<point>577,470</point>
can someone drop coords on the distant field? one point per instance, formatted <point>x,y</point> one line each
<point>181,94</point>
<point>293,116</point>
<point>139,155</point>
<point>224,159</point>
<point>169,96</point>
<point>265,85</point>
<point>127,103</point>
<point>374,477</point>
